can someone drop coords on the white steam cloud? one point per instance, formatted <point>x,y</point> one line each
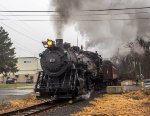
<point>110,30</point>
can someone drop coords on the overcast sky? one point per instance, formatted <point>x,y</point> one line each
<point>27,36</point>
<point>106,36</point>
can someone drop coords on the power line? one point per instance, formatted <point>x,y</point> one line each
<point>4,19</point>
<point>62,20</point>
<point>119,19</point>
<point>128,13</point>
<point>31,20</point>
<point>136,8</point>
<point>28,11</point>
<point>129,8</point>
<point>86,19</point>
<point>30,15</point>
<point>39,20</point>
<point>16,43</point>
<point>22,27</point>
<point>20,33</point>
<point>85,14</point>
<point>27,51</point>
<point>24,47</point>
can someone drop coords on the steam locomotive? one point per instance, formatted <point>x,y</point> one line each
<point>69,72</point>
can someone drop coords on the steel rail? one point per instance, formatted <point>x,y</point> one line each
<point>32,110</point>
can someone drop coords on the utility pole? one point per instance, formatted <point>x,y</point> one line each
<point>140,67</point>
<point>77,40</point>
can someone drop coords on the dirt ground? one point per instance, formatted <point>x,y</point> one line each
<point>19,103</point>
<point>134,103</point>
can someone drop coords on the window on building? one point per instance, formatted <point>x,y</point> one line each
<point>26,75</point>
<point>27,61</point>
<point>17,76</point>
<point>31,77</point>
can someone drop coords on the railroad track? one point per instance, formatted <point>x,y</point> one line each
<point>33,109</point>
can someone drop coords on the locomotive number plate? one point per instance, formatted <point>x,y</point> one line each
<point>52,60</point>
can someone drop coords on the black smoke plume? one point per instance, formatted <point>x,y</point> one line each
<point>110,30</point>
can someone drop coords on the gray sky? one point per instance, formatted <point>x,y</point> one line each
<point>108,35</point>
<point>27,36</point>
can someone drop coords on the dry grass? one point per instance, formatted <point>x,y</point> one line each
<point>20,103</point>
<point>131,104</point>
<point>13,86</point>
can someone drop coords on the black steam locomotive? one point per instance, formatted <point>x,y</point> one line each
<point>69,72</point>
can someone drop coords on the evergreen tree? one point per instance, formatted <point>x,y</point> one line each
<point>7,54</point>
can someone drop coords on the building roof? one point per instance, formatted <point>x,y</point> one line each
<point>27,57</point>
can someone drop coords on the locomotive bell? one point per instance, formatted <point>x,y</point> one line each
<point>59,43</point>
<point>67,45</point>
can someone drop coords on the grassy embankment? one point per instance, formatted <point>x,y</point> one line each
<point>13,86</point>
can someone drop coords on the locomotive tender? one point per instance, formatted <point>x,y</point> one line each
<point>69,72</point>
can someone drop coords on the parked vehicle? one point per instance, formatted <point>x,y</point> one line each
<point>29,79</point>
<point>10,80</point>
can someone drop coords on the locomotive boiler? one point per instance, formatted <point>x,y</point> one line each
<point>62,76</point>
<point>70,72</point>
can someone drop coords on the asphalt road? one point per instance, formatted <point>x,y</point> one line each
<point>15,92</point>
<point>7,95</point>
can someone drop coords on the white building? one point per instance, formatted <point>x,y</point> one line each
<point>28,70</point>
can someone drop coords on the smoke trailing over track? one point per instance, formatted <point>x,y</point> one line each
<point>107,35</point>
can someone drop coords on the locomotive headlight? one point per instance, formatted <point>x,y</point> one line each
<point>49,42</point>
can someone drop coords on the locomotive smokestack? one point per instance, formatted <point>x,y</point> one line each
<point>59,42</point>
